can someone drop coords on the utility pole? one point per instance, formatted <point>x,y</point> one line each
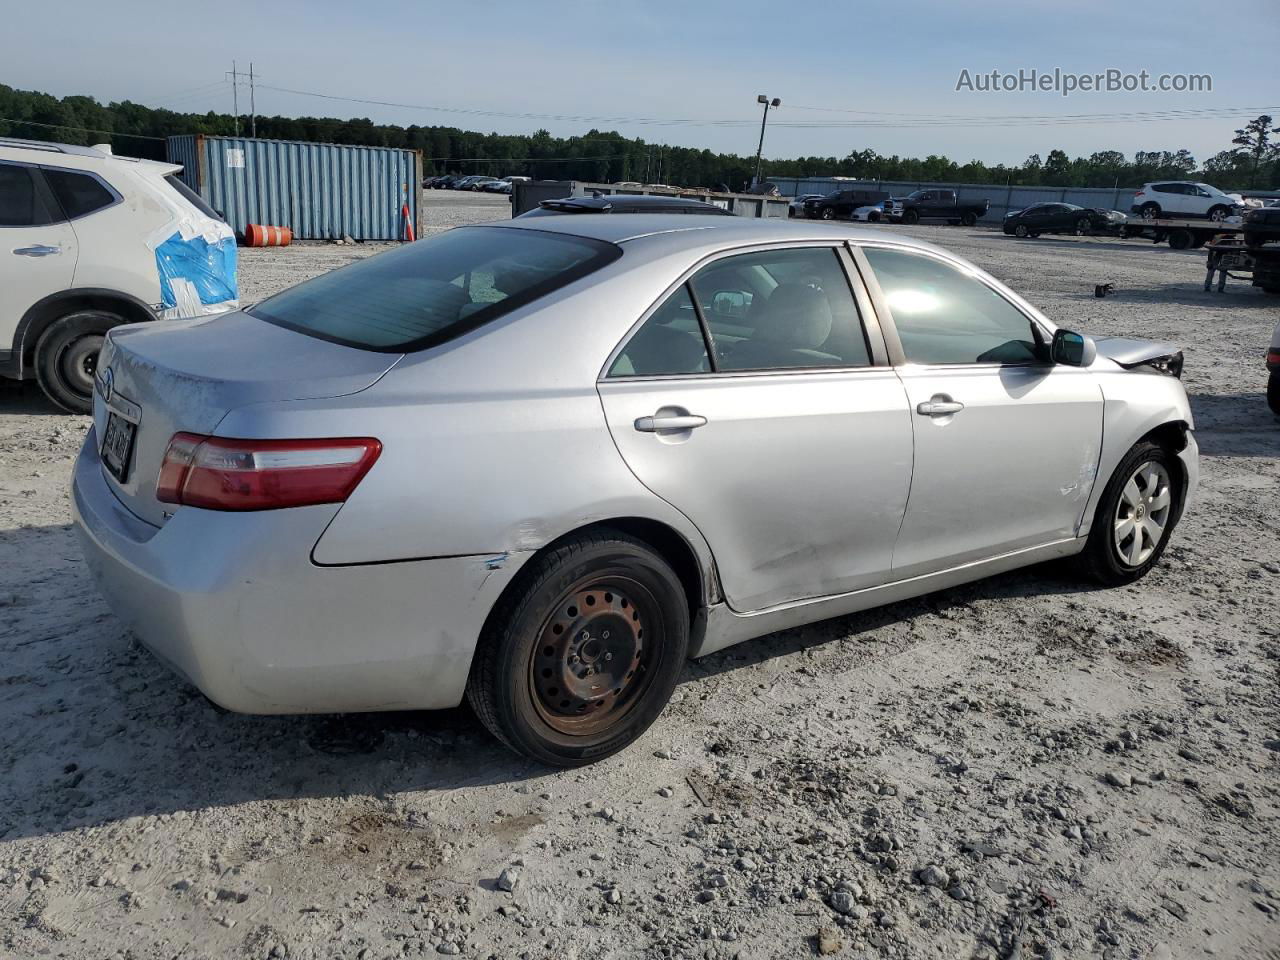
<point>235,97</point>
<point>775,102</point>
<point>253,114</point>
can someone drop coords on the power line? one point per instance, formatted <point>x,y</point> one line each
<point>63,126</point>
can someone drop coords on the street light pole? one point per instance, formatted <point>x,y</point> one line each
<point>775,102</point>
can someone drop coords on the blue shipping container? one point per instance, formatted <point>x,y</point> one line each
<point>320,191</point>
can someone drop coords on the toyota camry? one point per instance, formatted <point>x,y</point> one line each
<point>537,465</point>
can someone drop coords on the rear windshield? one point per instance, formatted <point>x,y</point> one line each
<point>192,197</point>
<point>435,289</point>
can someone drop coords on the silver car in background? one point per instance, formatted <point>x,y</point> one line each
<point>539,464</point>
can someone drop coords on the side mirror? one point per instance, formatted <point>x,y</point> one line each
<point>1072,349</point>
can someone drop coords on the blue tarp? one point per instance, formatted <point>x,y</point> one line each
<point>210,268</point>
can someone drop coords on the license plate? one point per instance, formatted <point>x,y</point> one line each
<point>117,445</point>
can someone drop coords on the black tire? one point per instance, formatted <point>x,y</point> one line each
<point>1033,234</point>
<point>1082,226</point>
<point>953,223</point>
<point>67,357</point>
<point>1219,213</point>
<point>828,213</point>
<point>1101,559</point>
<point>1021,231</point>
<point>1181,239</point>
<point>538,637</point>
<point>1273,391</point>
<point>1149,211</point>
<point>969,219</point>
<point>873,217</point>
<point>911,216</point>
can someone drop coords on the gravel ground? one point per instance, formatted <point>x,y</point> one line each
<point>1024,767</point>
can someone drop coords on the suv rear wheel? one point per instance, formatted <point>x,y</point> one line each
<point>67,357</point>
<point>1149,211</point>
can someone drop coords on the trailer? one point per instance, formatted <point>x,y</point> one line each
<point>1231,258</point>
<point>1180,233</point>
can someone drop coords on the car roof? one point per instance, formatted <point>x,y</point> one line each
<point>72,155</point>
<point>680,230</point>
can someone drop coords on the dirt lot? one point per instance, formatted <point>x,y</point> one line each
<point>1025,767</point>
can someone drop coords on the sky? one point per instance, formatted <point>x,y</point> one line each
<point>851,75</point>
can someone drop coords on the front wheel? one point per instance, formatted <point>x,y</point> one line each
<point>1082,226</point>
<point>583,654</point>
<point>67,357</point>
<point>1219,213</point>
<point>828,213</point>
<point>1136,515</point>
<point>1021,231</point>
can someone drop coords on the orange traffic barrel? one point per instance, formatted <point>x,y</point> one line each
<point>259,236</point>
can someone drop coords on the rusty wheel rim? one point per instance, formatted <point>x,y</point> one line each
<point>595,654</point>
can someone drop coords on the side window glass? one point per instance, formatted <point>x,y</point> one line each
<point>945,316</point>
<point>20,201</point>
<point>781,309</point>
<point>670,342</point>
<point>78,193</point>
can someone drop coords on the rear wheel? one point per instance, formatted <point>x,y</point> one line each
<point>67,357</point>
<point>969,218</point>
<point>1149,211</point>
<point>1136,515</point>
<point>582,655</point>
<point>1273,393</point>
<point>1181,239</point>
<point>911,216</point>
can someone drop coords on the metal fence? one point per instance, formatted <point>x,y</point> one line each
<point>1002,198</point>
<point>318,190</point>
<point>527,195</point>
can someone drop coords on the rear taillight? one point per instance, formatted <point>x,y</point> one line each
<point>1140,193</point>
<point>220,474</point>
<point>1273,358</point>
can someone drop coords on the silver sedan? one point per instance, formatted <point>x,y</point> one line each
<point>539,464</point>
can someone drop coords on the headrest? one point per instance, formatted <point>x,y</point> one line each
<point>797,315</point>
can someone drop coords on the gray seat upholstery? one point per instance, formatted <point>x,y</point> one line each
<point>790,328</point>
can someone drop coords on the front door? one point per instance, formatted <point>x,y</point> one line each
<point>37,248</point>
<point>756,401</point>
<point>1006,444</point>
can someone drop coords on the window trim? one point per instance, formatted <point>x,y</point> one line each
<point>116,198</point>
<point>44,192</point>
<point>897,354</point>
<point>872,332</point>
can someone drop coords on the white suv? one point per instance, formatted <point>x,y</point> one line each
<point>89,241</point>
<point>1183,198</point>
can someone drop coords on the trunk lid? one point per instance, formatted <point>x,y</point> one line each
<point>187,375</point>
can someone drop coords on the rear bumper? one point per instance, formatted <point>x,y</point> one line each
<point>233,603</point>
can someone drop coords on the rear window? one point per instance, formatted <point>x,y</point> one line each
<point>431,291</point>
<point>192,197</point>
<point>79,194</point>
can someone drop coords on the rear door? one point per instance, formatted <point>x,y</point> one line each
<point>757,398</point>
<point>1006,444</point>
<point>38,248</point>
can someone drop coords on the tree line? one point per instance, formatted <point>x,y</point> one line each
<point>1251,160</point>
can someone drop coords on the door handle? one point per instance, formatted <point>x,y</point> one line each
<point>939,406</point>
<point>661,422</point>
<point>39,250</point>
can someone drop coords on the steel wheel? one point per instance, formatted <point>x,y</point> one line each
<point>1142,513</point>
<point>592,663</point>
<point>79,361</point>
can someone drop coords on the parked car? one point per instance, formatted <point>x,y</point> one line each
<point>342,455</point>
<point>935,204</point>
<point>501,185</point>
<point>796,207</point>
<point>479,183</point>
<point>1062,218</point>
<point>840,204</point>
<point>1273,371</point>
<point>93,241</point>
<point>465,183</point>
<point>1183,198</point>
<point>872,213</point>
<point>625,203</point>
<point>1261,225</point>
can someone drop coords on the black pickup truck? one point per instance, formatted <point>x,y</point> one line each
<point>934,204</point>
<point>841,204</point>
